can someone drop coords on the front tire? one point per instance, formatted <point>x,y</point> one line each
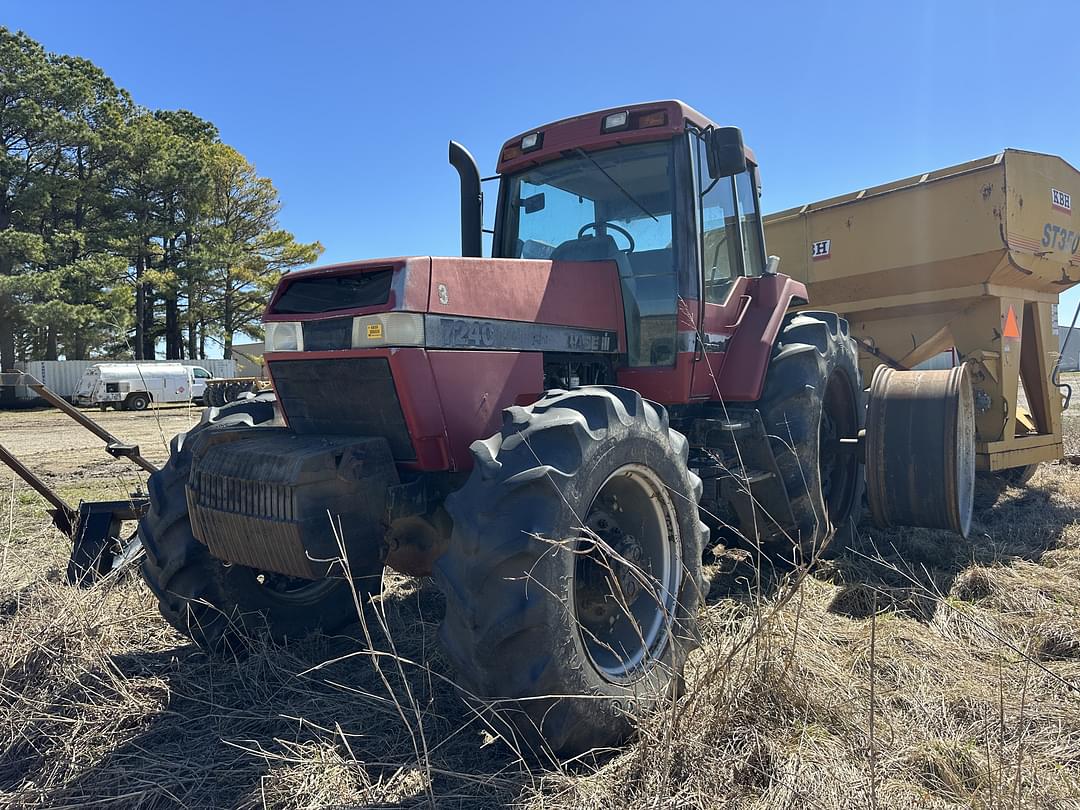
<point>574,568</point>
<point>214,603</point>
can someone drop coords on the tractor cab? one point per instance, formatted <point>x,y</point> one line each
<point>671,199</point>
<point>646,196</point>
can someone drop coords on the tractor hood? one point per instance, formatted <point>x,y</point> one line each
<point>468,303</point>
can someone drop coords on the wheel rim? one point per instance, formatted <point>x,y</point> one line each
<point>838,468</point>
<point>626,574</point>
<point>292,590</point>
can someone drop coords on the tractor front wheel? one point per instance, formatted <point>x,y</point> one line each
<point>573,575</point>
<point>215,603</point>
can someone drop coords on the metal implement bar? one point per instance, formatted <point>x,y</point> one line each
<point>113,445</point>
<point>63,515</point>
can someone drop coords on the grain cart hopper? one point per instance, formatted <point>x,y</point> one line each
<point>972,257</point>
<point>546,430</point>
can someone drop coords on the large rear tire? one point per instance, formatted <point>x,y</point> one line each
<point>812,399</point>
<point>540,606</point>
<point>216,604</point>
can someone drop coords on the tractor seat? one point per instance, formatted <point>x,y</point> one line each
<point>594,249</point>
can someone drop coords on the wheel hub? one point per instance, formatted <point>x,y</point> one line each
<point>613,579</point>
<point>626,574</point>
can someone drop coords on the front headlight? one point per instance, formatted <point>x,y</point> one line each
<point>388,329</point>
<point>284,336</point>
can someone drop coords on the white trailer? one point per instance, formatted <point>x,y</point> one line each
<point>63,376</point>
<point>134,386</point>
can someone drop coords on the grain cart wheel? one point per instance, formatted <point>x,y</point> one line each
<point>1016,476</point>
<point>920,449</point>
<point>811,400</point>
<point>574,568</point>
<point>212,602</point>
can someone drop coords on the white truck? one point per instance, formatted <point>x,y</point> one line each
<point>134,386</point>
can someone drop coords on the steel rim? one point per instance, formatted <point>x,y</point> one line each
<point>626,574</point>
<point>292,590</point>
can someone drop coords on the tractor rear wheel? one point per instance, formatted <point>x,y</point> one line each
<point>573,575</point>
<point>812,399</point>
<point>215,603</point>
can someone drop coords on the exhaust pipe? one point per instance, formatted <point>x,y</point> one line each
<point>472,201</point>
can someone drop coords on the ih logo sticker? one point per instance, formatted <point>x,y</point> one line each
<point>821,250</point>
<point>1061,200</point>
<point>1012,330</point>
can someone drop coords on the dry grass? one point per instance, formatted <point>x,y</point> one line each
<point>918,670</point>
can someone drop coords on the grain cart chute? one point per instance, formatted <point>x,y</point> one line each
<point>545,430</point>
<point>972,257</point>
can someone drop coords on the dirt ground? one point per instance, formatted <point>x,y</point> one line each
<point>55,447</point>
<point>915,669</point>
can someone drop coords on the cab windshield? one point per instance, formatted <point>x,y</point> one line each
<point>612,205</point>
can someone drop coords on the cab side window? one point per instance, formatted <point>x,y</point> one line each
<point>201,374</point>
<point>750,225</point>
<point>719,242</point>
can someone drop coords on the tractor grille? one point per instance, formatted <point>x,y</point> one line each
<point>352,397</point>
<point>262,497</point>
<point>329,335</point>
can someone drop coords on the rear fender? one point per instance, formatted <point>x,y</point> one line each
<point>743,374</point>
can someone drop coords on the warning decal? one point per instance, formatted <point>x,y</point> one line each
<point>1011,328</point>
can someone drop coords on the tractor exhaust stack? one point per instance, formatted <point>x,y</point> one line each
<point>472,200</point>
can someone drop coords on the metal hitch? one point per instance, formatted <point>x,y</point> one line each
<point>95,527</point>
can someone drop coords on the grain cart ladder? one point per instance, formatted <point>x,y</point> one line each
<point>971,258</point>
<point>94,526</point>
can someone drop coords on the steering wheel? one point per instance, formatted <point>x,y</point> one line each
<point>595,226</point>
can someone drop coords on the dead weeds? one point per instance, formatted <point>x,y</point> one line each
<point>912,670</point>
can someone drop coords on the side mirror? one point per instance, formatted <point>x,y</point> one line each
<point>725,151</point>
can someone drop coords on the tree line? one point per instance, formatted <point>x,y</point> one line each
<point>124,232</point>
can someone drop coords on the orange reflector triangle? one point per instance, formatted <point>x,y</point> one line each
<point>1011,329</point>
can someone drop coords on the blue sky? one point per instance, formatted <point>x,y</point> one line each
<point>348,106</point>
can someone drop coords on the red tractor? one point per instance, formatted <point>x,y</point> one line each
<point>555,433</point>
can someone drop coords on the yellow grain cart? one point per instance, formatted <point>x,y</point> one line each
<point>971,258</point>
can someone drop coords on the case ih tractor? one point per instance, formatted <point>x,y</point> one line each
<point>554,433</point>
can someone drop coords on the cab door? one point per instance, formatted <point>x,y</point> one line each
<point>731,258</point>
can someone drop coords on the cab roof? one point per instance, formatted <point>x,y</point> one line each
<point>648,121</point>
